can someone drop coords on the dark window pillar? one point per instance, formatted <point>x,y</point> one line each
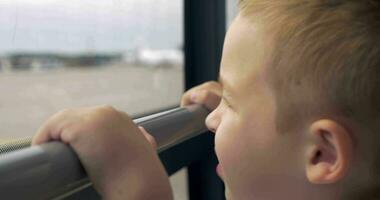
<point>205,27</point>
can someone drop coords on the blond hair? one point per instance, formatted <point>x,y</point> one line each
<point>326,62</point>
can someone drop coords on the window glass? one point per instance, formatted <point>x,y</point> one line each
<point>56,54</point>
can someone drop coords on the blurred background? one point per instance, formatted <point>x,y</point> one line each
<point>57,54</point>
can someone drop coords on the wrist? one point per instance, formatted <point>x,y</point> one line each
<point>145,180</point>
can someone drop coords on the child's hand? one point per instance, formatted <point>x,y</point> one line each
<point>208,94</point>
<point>117,157</point>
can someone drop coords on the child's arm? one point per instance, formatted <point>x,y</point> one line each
<point>118,159</point>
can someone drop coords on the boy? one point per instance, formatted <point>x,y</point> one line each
<point>297,119</point>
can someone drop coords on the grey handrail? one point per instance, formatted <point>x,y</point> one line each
<point>51,170</point>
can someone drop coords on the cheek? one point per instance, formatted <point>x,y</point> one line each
<point>234,154</point>
<point>241,141</point>
<point>243,150</point>
<point>232,148</point>
<point>225,142</point>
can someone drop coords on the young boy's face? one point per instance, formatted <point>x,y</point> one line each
<point>256,162</point>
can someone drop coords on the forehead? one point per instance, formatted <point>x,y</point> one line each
<point>244,54</point>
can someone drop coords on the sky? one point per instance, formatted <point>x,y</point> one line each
<point>72,26</point>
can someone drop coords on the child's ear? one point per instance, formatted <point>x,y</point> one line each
<point>329,154</point>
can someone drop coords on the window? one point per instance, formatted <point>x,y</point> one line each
<point>56,54</point>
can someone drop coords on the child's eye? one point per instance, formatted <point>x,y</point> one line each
<point>226,103</point>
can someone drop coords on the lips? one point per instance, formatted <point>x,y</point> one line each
<point>219,171</point>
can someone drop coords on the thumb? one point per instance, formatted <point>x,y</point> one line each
<point>149,137</point>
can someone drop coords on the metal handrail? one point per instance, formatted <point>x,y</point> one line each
<point>52,170</point>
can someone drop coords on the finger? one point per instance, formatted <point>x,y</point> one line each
<point>186,98</point>
<point>190,96</point>
<point>149,137</point>
<point>50,130</point>
<point>207,98</point>
<point>45,133</point>
<point>212,86</point>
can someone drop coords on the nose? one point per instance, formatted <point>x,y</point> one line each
<point>213,121</point>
